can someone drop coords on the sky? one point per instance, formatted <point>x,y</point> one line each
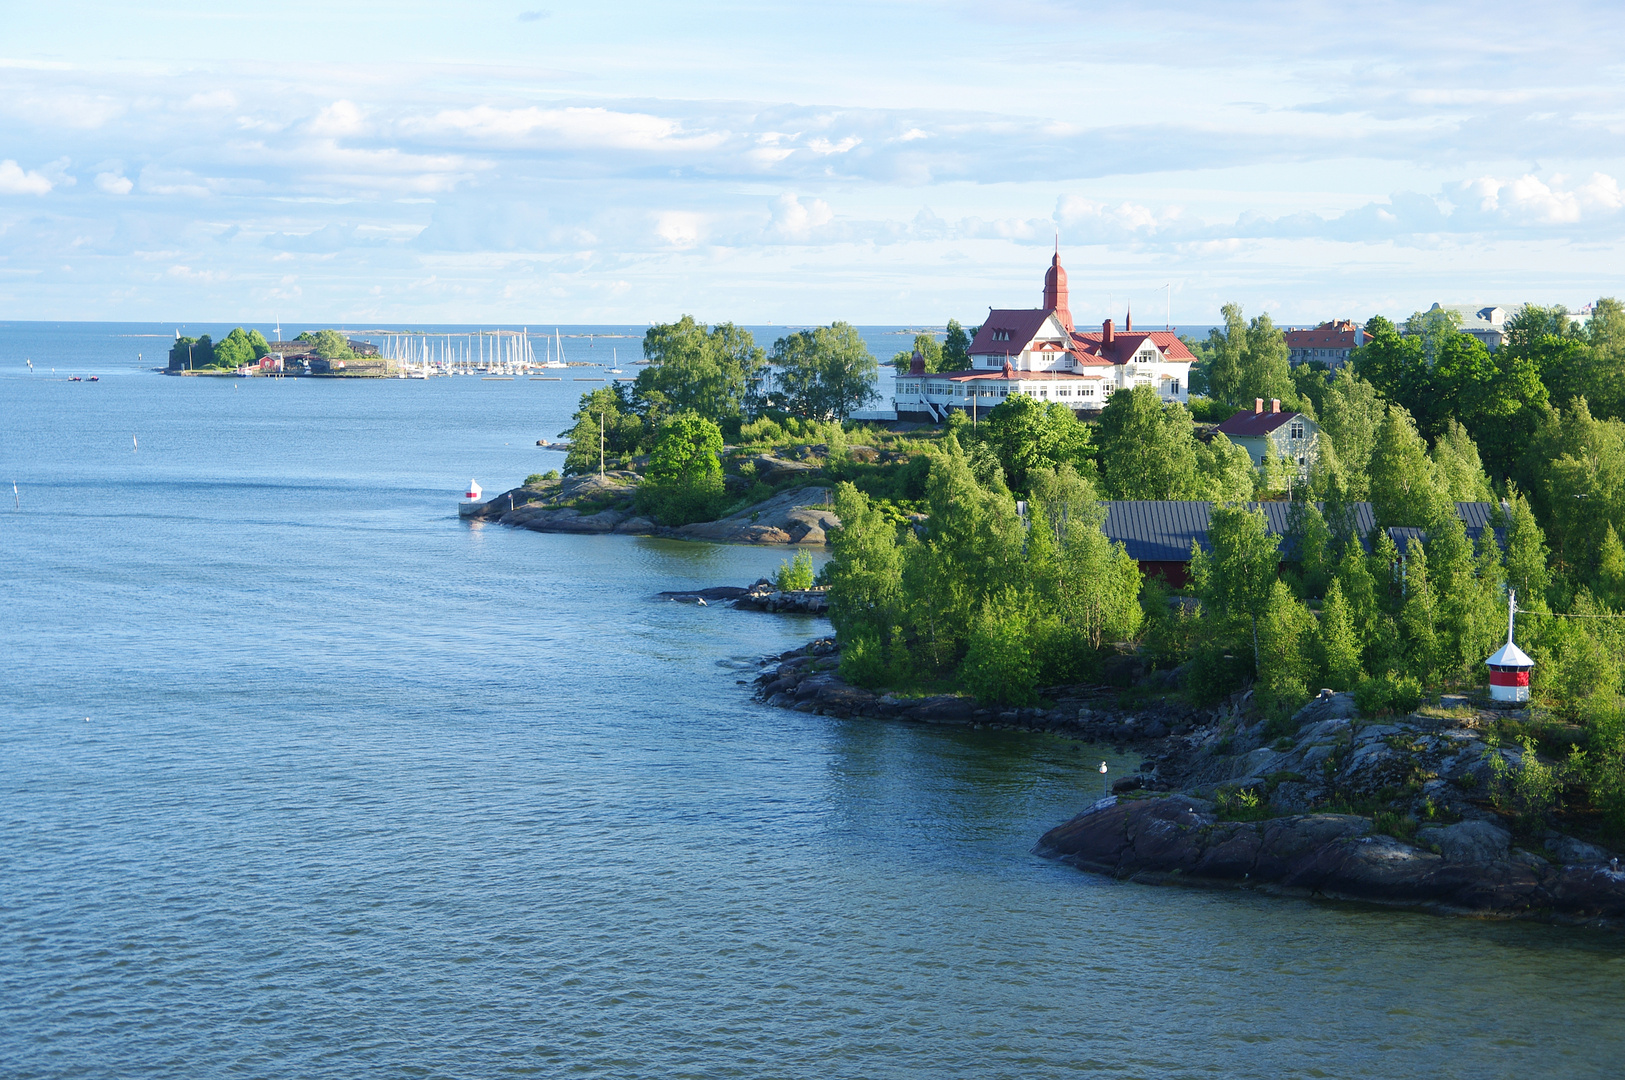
<point>879,162</point>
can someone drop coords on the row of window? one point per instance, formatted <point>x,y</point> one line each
<point>1060,391</point>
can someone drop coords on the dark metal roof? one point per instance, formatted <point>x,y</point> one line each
<point>1163,531</point>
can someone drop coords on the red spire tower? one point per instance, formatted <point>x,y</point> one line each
<point>1055,298</point>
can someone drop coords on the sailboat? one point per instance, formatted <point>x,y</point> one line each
<point>555,360</point>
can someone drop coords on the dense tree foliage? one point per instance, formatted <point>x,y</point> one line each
<point>1246,361</point>
<point>707,370</point>
<point>683,482</point>
<point>979,595</point>
<point>327,344</point>
<point>1025,434</point>
<point>826,373</point>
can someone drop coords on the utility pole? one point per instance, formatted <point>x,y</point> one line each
<point>600,446</point>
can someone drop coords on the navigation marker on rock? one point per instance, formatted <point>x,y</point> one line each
<point>1510,666</point>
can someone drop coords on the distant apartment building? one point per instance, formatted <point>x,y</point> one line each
<point>1487,323</point>
<point>1330,343</point>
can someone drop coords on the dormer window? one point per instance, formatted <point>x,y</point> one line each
<point>1001,335</point>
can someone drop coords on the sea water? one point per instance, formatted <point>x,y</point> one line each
<point>302,776</point>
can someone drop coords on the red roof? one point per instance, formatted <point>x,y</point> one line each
<point>1020,325</point>
<point>1092,347</point>
<point>1006,373</point>
<point>1342,334</point>
<point>1254,424</point>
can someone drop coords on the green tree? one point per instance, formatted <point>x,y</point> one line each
<point>1226,356</point>
<point>825,373</point>
<point>683,482</point>
<point>1457,471</point>
<point>191,354</point>
<point>1236,578</point>
<point>1225,470</point>
<point>1026,434</point>
<point>1147,449</point>
<point>1608,584</point>
<point>956,347</point>
<point>327,344</point>
<point>1265,372</point>
<point>999,667</point>
<point>1339,644</point>
<point>1350,414</point>
<point>1604,383</point>
<point>1526,555</point>
<point>865,575</point>
<point>1095,584</point>
<point>924,344</point>
<point>1402,489</point>
<point>236,349</point>
<point>708,370</point>
<point>607,410</point>
<point>1416,615</point>
<point>1286,637</point>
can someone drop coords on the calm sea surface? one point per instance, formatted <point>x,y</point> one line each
<point>300,776</point>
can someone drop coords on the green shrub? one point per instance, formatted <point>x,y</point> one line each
<point>1210,410</point>
<point>1242,804</point>
<point>1530,788</point>
<point>763,432</point>
<point>538,479</point>
<point>863,662</point>
<point>1399,826</point>
<point>1388,693</point>
<point>795,575</point>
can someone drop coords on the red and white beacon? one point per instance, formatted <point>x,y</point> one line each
<point>1510,667</point>
<point>471,500</point>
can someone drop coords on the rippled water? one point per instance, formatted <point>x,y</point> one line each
<point>301,776</point>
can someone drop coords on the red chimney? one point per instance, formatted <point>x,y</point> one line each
<point>1275,404</point>
<point>1106,333</point>
<point>1258,405</point>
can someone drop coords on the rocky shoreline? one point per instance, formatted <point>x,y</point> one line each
<point>1218,802</point>
<point>602,504</point>
<point>762,596</point>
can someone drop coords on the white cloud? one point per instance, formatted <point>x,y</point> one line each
<point>574,127</point>
<point>679,228</point>
<point>340,118</point>
<point>1529,200</point>
<point>15,181</point>
<point>114,183</point>
<point>824,146</point>
<point>794,219</point>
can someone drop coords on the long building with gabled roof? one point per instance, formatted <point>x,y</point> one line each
<point>1038,352</point>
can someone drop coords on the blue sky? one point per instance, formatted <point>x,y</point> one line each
<point>899,162</point>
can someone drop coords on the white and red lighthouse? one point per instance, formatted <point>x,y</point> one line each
<point>1510,666</point>
<point>471,500</point>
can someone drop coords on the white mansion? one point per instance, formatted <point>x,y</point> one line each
<point>1037,352</point>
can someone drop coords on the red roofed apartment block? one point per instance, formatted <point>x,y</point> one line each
<point>1330,343</point>
<point>1038,352</point>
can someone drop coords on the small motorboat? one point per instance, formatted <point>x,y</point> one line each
<point>75,378</point>
<point>94,378</point>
